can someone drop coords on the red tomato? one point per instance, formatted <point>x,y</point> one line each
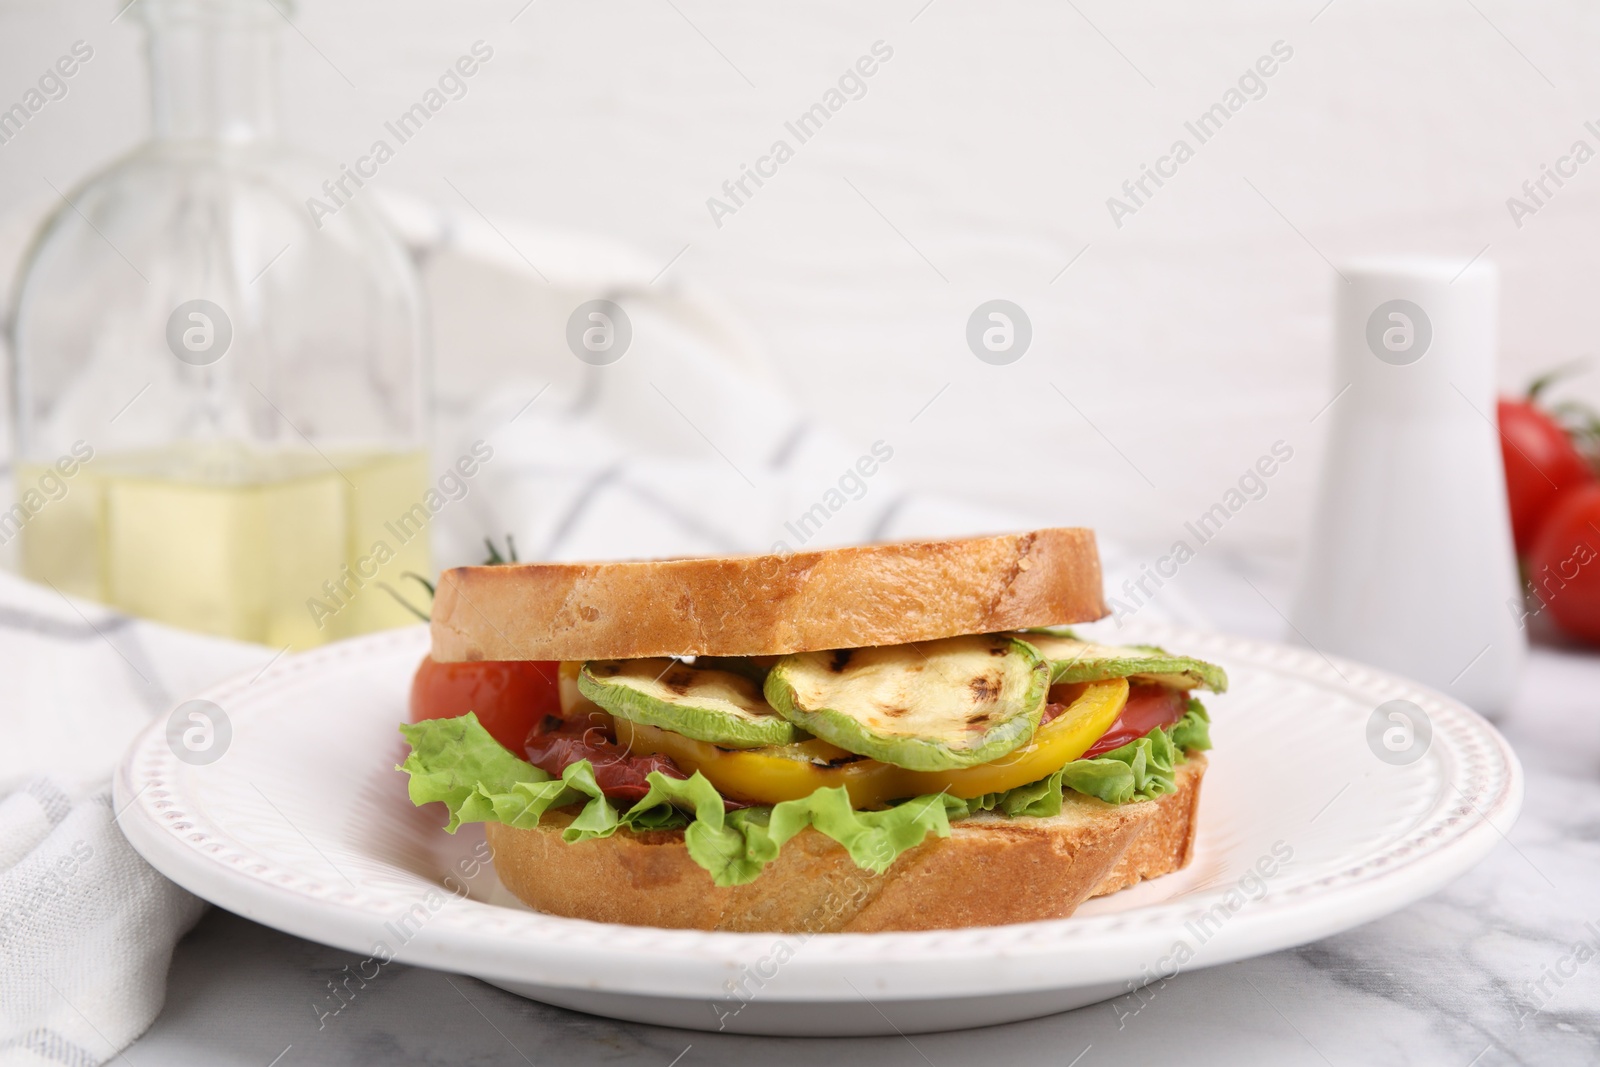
<point>1148,706</point>
<point>1565,564</point>
<point>1541,463</point>
<point>508,697</point>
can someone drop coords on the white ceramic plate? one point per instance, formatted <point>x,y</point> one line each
<point>303,824</point>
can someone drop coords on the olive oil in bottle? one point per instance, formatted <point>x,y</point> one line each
<point>287,549</point>
<point>245,373</point>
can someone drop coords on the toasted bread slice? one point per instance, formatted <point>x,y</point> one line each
<point>885,594</point>
<point>990,870</point>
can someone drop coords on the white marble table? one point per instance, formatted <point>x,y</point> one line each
<point>1483,974</point>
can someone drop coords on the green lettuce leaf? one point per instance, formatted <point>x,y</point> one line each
<point>1193,731</point>
<point>1142,769</point>
<point>457,762</point>
<point>735,846</point>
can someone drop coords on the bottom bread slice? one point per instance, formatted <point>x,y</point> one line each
<point>990,870</point>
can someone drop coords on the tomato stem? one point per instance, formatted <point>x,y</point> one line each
<point>1555,374</point>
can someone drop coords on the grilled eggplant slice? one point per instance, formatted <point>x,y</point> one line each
<point>932,706</point>
<point>722,707</point>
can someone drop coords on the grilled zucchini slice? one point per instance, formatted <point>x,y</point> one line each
<point>932,706</point>
<point>1074,660</point>
<point>754,668</point>
<point>722,707</point>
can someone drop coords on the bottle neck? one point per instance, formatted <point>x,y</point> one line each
<point>213,70</point>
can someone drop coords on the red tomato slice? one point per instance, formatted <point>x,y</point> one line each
<point>509,698</point>
<point>1148,706</point>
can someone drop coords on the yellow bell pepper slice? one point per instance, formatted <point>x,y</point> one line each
<point>791,772</point>
<point>573,703</point>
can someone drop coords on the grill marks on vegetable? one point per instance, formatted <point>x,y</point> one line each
<point>986,688</point>
<point>930,706</point>
<point>940,705</point>
<point>678,680</point>
<point>986,691</point>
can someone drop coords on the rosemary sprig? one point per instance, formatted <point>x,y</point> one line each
<point>402,601</point>
<point>495,559</point>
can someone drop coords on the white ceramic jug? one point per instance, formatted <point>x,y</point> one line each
<point>1410,564</point>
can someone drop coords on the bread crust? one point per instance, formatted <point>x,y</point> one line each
<point>855,597</point>
<point>990,870</point>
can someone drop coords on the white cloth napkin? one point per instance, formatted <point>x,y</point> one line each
<point>87,927</point>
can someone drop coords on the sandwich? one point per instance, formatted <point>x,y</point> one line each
<point>902,736</point>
